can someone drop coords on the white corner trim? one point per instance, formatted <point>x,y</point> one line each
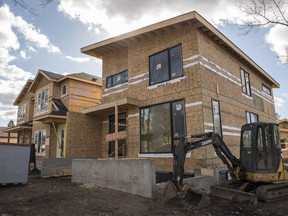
<point>138,81</point>
<point>118,91</point>
<point>193,104</point>
<point>138,76</point>
<point>191,58</point>
<point>231,134</point>
<point>133,115</point>
<point>116,86</point>
<point>166,83</point>
<point>231,128</point>
<point>209,124</point>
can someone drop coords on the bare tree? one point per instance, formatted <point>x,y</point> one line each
<point>262,13</point>
<point>28,7</point>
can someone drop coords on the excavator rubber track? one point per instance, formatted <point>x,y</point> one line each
<point>270,193</point>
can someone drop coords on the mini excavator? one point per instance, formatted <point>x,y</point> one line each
<point>260,168</point>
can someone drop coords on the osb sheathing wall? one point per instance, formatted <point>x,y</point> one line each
<point>199,85</point>
<point>84,135</point>
<point>82,95</point>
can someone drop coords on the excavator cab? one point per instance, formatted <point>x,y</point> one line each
<point>260,152</point>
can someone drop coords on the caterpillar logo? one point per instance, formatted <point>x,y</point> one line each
<point>206,142</point>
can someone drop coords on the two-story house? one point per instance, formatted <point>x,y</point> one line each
<point>177,77</point>
<point>25,103</point>
<point>50,99</point>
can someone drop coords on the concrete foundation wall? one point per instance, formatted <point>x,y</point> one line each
<point>135,176</point>
<point>55,167</point>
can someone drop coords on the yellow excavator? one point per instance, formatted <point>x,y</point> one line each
<point>260,168</point>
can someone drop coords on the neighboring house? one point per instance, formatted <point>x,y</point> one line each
<point>25,103</point>
<point>283,127</point>
<point>7,137</point>
<point>56,96</point>
<point>174,78</point>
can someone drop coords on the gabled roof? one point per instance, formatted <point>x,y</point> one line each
<point>50,76</point>
<point>192,18</point>
<point>84,77</point>
<point>60,108</point>
<point>54,77</point>
<point>23,91</point>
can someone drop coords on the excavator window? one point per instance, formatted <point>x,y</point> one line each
<point>246,152</point>
<point>267,148</point>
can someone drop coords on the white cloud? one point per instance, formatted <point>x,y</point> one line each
<point>8,114</point>
<point>277,37</point>
<point>279,102</point>
<point>121,16</point>
<point>118,17</point>
<point>78,59</point>
<point>23,54</point>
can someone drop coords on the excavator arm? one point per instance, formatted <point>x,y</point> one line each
<point>200,140</point>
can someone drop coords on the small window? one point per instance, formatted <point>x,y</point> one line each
<point>217,117</point>
<point>117,79</point>
<point>121,123</point>
<point>266,89</point>
<point>39,139</point>
<point>165,65</point>
<point>21,112</point>
<point>64,90</point>
<point>245,81</point>
<point>251,117</point>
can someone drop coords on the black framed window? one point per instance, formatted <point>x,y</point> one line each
<point>165,65</point>
<point>245,81</point>
<point>117,79</point>
<point>266,89</point>
<point>251,117</point>
<point>217,117</point>
<point>121,148</point>
<point>121,122</point>
<point>162,125</point>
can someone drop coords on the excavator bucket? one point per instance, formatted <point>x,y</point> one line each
<point>187,196</point>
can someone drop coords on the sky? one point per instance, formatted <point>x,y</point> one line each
<point>51,38</point>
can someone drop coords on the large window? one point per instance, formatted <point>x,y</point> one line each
<point>39,139</point>
<point>21,111</point>
<point>161,126</point>
<point>117,79</point>
<point>42,101</point>
<point>165,65</point>
<point>251,117</point>
<point>245,80</point>
<point>217,117</point>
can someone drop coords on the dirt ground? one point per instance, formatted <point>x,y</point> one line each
<point>58,196</point>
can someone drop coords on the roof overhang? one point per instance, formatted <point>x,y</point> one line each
<point>282,120</point>
<point>17,129</point>
<point>23,91</point>
<point>107,108</point>
<point>79,79</point>
<point>192,18</point>
<point>47,119</point>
